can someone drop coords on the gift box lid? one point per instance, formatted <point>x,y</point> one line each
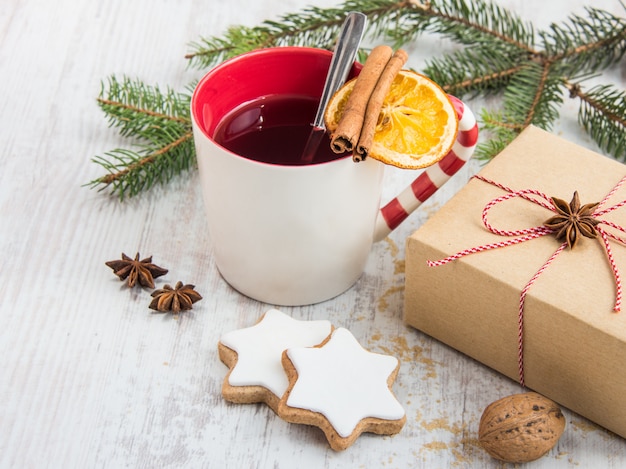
<point>580,280</point>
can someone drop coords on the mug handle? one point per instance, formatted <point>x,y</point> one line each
<point>435,176</point>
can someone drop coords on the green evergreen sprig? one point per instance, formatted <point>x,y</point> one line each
<point>539,80</point>
<point>603,115</point>
<point>500,54</point>
<point>311,26</point>
<point>159,123</point>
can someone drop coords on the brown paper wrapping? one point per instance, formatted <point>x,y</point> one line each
<point>574,344</point>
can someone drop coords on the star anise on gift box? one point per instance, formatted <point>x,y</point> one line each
<point>136,271</point>
<point>177,299</point>
<point>573,220</point>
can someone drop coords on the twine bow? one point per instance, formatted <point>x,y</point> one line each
<point>573,218</point>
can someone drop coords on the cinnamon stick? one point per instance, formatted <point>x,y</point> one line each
<point>348,130</point>
<point>375,104</point>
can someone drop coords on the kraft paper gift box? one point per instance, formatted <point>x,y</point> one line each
<point>574,344</point>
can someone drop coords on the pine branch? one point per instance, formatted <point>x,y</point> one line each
<point>478,22</point>
<point>132,172</point>
<point>160,124</point>
<point>501,133</point>
<point>603,115</point>
<point>473,71</point>
<point>586,45</point>
<point>531,98</point>
<point>503,57</point>
<point>135,108</point>
<point>312,26</point>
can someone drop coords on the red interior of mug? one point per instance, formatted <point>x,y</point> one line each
<point>263,72</point>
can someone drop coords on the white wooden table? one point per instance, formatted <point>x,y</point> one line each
<point>89,376</point>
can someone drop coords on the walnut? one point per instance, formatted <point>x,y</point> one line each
<point>521,427</point>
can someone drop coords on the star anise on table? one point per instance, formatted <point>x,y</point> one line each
<point>572,220</point>
<point>177,299</point>
<point>136,271</point>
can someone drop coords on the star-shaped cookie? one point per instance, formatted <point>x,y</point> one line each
<point>341,388</point>
<point>253,355</point>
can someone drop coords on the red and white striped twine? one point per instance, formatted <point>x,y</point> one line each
<point>528,234</point>
<point>433,177</point>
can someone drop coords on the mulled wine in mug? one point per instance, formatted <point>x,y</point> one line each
<point>283,231</point>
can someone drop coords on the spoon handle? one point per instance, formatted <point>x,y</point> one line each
<point>343,57</point>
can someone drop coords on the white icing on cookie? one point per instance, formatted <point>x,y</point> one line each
<point>344,382</point>
<point>260,347</point>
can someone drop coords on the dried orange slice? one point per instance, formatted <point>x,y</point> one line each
<point>416,127</point>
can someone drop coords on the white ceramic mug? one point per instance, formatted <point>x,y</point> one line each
<point>296,234</point>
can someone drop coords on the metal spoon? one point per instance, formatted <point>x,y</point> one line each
<point>343,57</point>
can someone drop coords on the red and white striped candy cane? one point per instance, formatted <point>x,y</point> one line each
<point>433,177</point>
